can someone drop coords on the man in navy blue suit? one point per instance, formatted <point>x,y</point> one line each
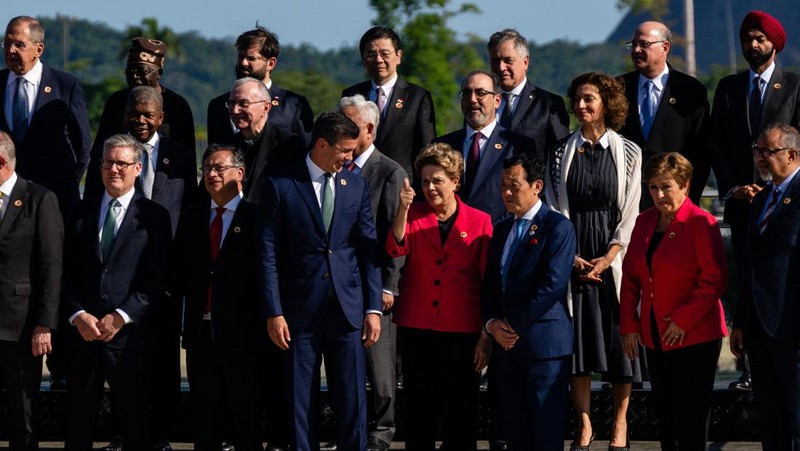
<point>320,282</point>
<point>768,313</point>
<point>524,300</point>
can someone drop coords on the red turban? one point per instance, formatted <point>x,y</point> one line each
<point>767,24</point>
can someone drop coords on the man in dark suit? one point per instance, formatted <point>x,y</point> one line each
<point>668,110</point>
<point>743,104</point>
<point>484,144</point>
<point>768,313</point>
<point>144,68</point>
<point>31,245</point>
<point>320,281</point>
<point>384,180</point>
<point>257,55</point>
<point>533,112</point>
<point>44,110</point>
<point>216,266</point>
<point>114,273</point>
<point>524,302</point>
<point>407,117</point>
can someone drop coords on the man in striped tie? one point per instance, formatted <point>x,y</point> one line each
<point>767,314</point>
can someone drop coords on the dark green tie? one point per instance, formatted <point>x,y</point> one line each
<point>109,226</point>
<point>327,201</point>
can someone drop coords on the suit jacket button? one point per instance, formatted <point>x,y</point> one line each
<point>652,295</point>
<point>437,282</point>
<point>330,251</point>
<point>326,275</point>
<point>435,303</point>
<point>103,296</point>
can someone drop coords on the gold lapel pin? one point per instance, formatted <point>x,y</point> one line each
<point>47,89</point>
<point>498,146</point>
<point>398,105</point>
<point>581,149</point>
<point>165,161</point>
<point>463,234</point>
<point>275,102</point>
<point>343,182</point>
<point>237,229</point>
<point>672,101</point>
<point>18,203</point>
<point>787,201</point>
<point>777,86</point>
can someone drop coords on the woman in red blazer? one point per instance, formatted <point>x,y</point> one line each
<point>438,312</point>
<point>673,276</point>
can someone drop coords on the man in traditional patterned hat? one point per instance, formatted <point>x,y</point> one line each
<point>145,66</point>
<point>744,104</point>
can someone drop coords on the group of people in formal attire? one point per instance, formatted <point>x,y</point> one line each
<point>361,238</point>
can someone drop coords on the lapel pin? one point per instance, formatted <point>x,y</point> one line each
<point>498,146</point>
<point>581,149</point>
<point>399,104</point>
<point>47,89</point>
<point>533,230</point>
<point>533,241</point>
<point>672,101</point>
<point>786,201</point>
<point>18,203</point>
<point>165,161</point>
<point>343,182</point>
<point>777,86</point>
<point>237,229</point>
<point>463,234</point>
<point>672,234</point>
<point>275,101</point>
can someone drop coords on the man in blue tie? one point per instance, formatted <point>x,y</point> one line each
<point>524,303</point>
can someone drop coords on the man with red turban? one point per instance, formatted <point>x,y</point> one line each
<point>744,104</point>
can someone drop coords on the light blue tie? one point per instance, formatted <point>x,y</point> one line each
<point>327,201</point>
<point>648,108</point>
<point>519,233</point>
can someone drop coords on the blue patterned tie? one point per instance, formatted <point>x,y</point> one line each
<point>648,108</point>
<point>519,232</point>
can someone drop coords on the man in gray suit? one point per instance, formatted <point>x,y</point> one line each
<point>384,179</point>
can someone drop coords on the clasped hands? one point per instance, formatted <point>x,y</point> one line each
<point>103,329</point>
<point>502,333</point>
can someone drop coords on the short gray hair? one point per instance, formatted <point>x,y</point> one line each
<point>367,110</point>
<point>7,150</point>
<point>126,141</point>
<point>145,94</point>
<point>790,137</point>
<point>263,92</point>
<point>520,43</point>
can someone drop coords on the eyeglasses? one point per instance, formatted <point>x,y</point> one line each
<point>765,152</point>
<point>479,93</point>
<point>630,45</point>
<point>122,166</point>
<point>242,104</point>
<point>218,169</point>
<point>384,54</point>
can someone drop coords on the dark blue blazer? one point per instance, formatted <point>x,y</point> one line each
<point>535,299</point>
<point>484,193</point>
<point>771,274</point>
<point>541,116</point>
<point>300,262</point>
<point>290,111</point>
<point>134,276</point>
<point>55,150</point>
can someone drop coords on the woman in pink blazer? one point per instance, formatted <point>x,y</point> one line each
<point>674,273</point>
<point>438,312</point>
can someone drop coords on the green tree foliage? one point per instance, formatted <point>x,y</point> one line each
<point>322,92</point>
<point>149,28</point>
<point>96,95</point>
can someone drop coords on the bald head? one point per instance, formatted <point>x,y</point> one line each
<point>652,42</point>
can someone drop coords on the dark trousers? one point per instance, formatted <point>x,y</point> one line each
<point>346,371</point>
<point>22,376</point>
<point>222,382</point>
<point>775,367</point>
<point>273,392</point>
<point>166,386</point>
<point>533,396</point>
<point>683,382</point>
<point>381,361</point>
<point>128,372</point>
<point>440,386</point>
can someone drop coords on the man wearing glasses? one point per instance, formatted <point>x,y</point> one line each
<point>145,67</point>
<point>484,143</point>
<point>115,271</point>
<point>667,109</point>
<point>407,117</point>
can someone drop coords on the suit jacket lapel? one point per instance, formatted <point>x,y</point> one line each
<point>773,99</point>
<point>165,157</point>
<point>526,99</point>
<point>45,89</point>
<point>789,196</point>
<point>3,80</point>
<point>491,153</point>
<point>128,224</point>
<point>306,190</point>
<point>529,240</point>
<point>391,112</point>
<point>370,164</point>
<point>19,195</point>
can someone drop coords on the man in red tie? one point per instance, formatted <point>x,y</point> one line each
<point>216,263</point>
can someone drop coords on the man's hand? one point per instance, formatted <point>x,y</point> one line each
<point>736,342</point>
<point>109,325</point>
<point>746,192</point>
<point>502,333</point>
<point>40,342</point>
<point>388,301</point>
<point>372,329</point>
<point>483,352</point>
<point>87,326</point>
<point>279,331</point>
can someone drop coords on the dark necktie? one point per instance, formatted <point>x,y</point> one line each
<point>754,108</point>
<point>474,158</point>
<point>327,201</point>
<point>215,241</point>
<point>773,202</point>
<point>20,110</point>
<point>519,232</point>
<point>109,229</point>
<point>508,110</point>
<point>353,167</point>
<point>648,108</point>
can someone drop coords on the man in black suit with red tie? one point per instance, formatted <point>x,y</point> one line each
<point>533,112</point>
<point>257,55</point>
<point>407,117</point>
<point>216,266</point>
<point>668,109</point>
<point>31,245</point>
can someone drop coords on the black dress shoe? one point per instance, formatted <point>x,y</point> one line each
<point>744,383</point>
<point>376,444</point>
<point>162,445</point>
<point>498,445</point>
<point>227,447</point>
<point>115,445</point>
<point>278,445</point>
<point>330,446</point>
